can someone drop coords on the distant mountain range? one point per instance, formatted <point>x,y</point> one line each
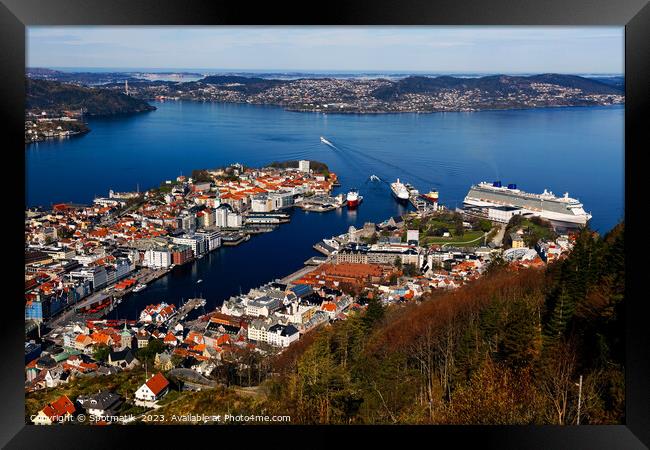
<point>56,96</point>
<point>495,85</point>
<point>332,95</point>
<point>409,94</point>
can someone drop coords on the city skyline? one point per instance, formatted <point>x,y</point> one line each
<point>465,49</point>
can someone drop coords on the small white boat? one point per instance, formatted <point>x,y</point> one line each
<point>139,287</point>
<point>326,142</point>
<point>199,281</point>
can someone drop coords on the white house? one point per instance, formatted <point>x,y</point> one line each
<point>152,390</point>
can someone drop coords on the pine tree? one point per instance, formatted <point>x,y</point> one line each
<point>561,314</point>
<point>374,313</point>
<point>517,346</point>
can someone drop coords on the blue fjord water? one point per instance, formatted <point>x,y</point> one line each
<point>579,150</point>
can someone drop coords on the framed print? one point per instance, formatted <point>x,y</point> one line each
<point>378,220</point>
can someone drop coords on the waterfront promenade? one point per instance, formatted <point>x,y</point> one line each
<point>298,274</point>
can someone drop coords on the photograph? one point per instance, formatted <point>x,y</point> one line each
<point>324,225</point>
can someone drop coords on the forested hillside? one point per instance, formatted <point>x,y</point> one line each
<point>507,349</point>
<point>52,95</point>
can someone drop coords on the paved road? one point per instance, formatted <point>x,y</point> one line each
<point>297,274</point>
<point>70,313</point>
<point>465,242</point>
<point>498,238</point>
<point>193,377</point>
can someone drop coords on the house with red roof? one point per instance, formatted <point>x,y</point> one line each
<point>152,390</point>
<point>170,339</point>
<point>84,343</point>
<point>59,411</point>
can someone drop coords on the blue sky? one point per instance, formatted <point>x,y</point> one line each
<point>434,49</point>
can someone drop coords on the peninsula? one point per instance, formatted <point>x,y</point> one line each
<point>53,95</point>
<point>54,109</point>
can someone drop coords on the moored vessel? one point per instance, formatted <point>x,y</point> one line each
<point>399,190</point>
<point>353,198</point>
<point>511,200</point>
<point>431,196</point>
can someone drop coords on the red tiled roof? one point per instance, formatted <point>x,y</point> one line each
<point>62,406</point>
<point>223,339</point>
<point>157,383</point>
<point>170,338</point>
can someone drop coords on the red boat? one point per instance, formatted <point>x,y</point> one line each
<point>353,198</point>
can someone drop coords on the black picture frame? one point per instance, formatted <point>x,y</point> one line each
<point>15,15</point>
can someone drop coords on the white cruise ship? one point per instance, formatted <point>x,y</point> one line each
<point>400,191</point>
<point>563,210</point>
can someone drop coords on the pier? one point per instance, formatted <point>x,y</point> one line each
<point>185,309</point>
<point>259,229</point>
<point>270,217</point>
<point>419,203</point>
<point>232,239</point>
<point>323,248</point>
<point>316,261</point>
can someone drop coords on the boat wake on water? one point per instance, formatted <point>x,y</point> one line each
<point>379,160</point>
<point>326,142</point>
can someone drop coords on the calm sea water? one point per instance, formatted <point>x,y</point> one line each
<point>579,150</point>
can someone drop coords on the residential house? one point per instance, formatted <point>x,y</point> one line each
<point>55,376</point>
<point>152,390</point>
<point>104,403</point>
<point>59,411</point>
<point>84,343</point>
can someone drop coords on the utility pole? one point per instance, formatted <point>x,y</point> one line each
<point>579,399</point>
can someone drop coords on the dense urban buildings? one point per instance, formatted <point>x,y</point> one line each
<point>81,259</point>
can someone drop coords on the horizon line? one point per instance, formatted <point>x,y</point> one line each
<point>400,71</point>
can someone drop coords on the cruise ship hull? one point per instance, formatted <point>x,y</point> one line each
<point>557,219</point>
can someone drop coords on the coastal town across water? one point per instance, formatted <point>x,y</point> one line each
<point>82,261</point>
